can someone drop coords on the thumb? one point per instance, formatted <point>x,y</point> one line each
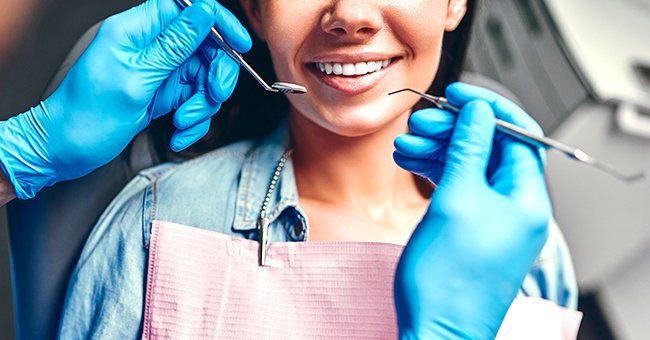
<point>470,146</point>
<point>180,39</point>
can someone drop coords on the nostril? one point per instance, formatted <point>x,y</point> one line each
<point>366,31</point>
<point>351,22</point>
<point>338,31</point>
<point>360,32</point>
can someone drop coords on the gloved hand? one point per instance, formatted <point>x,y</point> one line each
<point>486,223</point>
<point>142,64</point>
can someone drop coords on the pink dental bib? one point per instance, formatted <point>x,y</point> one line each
<point>206,285</point>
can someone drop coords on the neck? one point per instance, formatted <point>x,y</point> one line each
<point>351,171</point>
<point>7,192</point>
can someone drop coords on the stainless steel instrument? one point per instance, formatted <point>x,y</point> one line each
<point>281,87</point>
<point>538,141</point>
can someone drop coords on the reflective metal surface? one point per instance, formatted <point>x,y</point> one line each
<point>539,141</point>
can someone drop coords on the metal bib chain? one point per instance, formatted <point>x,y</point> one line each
<point>263,221</point>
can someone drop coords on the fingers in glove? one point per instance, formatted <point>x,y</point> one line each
<point>181,139</point>
<point>232,30</point>
<point>430,169</point>
<point>434,123</point>
<point>520,166</point>
<point>143,23</point>
<point>459,94</point>
<point>178,87</point>
<point>222,77</point>
<point>180,39</point>
<point>198,108</point>
<point>471,143</point>
<point>415,146</point>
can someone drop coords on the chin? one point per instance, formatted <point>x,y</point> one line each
<point>359,121</point>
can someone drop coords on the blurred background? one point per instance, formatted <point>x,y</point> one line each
<point>580,67</point>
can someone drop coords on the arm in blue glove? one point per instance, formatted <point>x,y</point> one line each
<point>142,64</point>
<point>486,223</point>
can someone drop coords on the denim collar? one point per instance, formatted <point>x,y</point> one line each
<point>257,171</point>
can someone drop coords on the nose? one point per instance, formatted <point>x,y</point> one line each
<point>352,20</point>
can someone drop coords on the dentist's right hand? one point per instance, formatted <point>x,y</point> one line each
<point>143,63</point>
<point>486,224</point>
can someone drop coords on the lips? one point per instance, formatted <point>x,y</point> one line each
<point>352,74</point>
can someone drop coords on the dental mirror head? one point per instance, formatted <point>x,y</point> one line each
<point>290,88</point>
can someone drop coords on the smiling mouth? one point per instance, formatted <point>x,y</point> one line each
<point>352,69</point>
<point>352,78</point>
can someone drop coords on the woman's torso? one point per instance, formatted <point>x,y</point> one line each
<point>221,192</point>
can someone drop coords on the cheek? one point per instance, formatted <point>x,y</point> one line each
<point>287,27</point>
<point>420,26</point>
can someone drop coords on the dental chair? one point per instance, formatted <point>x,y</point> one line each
<point>47,234</point>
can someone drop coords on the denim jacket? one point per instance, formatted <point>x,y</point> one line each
<point>221,191</point>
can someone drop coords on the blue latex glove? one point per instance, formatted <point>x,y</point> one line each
<point>486,224</point>
<point>142,64</point>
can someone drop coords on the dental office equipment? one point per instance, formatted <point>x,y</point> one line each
<point>538,141</point>
<point>281,87</point>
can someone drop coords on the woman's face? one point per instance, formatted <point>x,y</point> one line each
<point>350,54</point>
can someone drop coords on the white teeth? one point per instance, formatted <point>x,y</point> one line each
<point>349,70</point>
<point>357,69</point>
<point>328,68</point>
<point>360,68</point>
<point>337,69</point>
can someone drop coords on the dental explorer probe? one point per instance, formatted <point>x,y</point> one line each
<point>537,141</point>
<point>281,87</point>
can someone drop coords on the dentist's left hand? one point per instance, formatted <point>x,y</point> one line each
<point>143,63</point>
<point>485,226</point>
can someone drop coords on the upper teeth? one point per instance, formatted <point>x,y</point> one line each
<point>353,69</point>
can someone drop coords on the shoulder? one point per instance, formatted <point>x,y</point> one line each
<point>175,183</point>
<point>229,156</point>
<point>206,172</point>
<point>552,276</point>
<point>176,192</point>
<point>200,192</point>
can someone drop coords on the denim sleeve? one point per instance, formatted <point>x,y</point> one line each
<point>552,276</point>
<point>104,299</point>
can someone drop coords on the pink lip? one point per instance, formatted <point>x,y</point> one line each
<point>351,58</point>
<point>352,85</point>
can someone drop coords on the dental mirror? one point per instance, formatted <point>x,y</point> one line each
<point>278,87</point>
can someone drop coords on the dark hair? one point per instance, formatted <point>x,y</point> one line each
<point>252,112</point>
